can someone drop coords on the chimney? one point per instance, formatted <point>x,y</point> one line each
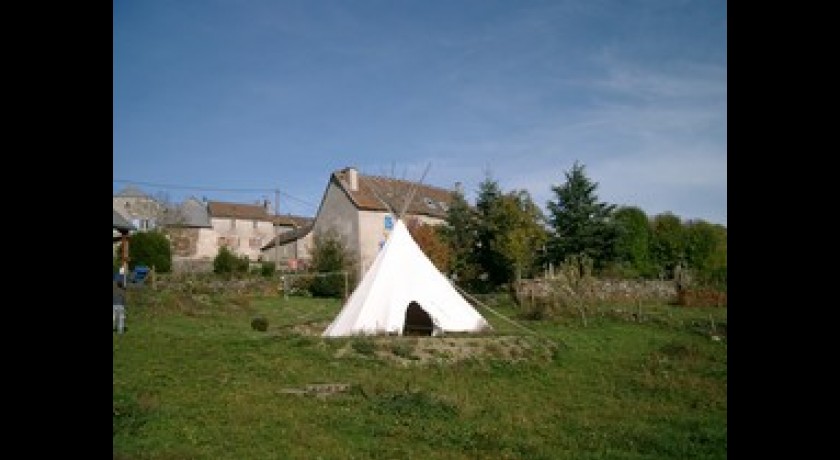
<point>352,179</point>
<point>459,188</point>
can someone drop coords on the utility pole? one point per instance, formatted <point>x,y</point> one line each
<point>276,245</point>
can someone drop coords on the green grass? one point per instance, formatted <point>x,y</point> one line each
<point>192,379</point>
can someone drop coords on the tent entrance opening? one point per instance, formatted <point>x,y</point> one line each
<point>417,321</point>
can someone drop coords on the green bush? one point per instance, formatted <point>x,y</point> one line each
<point>227,262</point>
<point>330,257</point>
<point>259,323</point>
<point>267,269</point>
<point>328,285</point>
<point>151,249</point>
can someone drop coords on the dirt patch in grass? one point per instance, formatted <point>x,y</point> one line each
<point>312,328</point>
<point>413,350</point>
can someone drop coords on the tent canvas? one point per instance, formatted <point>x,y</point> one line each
<point>404,293</point>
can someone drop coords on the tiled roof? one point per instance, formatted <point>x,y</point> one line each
<point>292,221</point>
<point>237,210</point>
<point>372,190</point>
<point>288,237</point>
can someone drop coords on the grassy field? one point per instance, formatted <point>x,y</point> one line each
<point>193,380</point>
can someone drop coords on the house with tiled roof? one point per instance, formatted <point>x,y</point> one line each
<point>243,228</point>
<point>360,208</point>
<point>197,229</point>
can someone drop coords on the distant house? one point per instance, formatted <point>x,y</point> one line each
<point>290,248</point>
<point>243,228</point>
<point>191,235</point>
<point>197,229</point>
<point>139,208</point>
<point>354,205</point>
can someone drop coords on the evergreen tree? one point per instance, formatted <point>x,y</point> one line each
<point>459,234</point>
<point>496,269</point>
<point>580,224</point>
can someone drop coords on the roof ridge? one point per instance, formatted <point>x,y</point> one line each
<point>405,181</point>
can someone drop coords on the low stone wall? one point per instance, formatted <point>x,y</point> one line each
<point>191,266</point>
<point>596,290</point>
<point>202,284</point>
<point>652,290</point>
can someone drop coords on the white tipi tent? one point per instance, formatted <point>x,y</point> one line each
<point>404,292</point>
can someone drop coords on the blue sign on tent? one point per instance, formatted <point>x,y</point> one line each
<point>389,223</point>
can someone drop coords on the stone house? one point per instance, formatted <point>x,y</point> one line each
<point>191,235</point>
<point>243,228</point>
<point>360,209</point>
<point>198,229</point>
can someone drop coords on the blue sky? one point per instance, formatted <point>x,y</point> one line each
<point>232,99</point>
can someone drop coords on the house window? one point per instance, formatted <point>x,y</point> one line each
<point>233,223</point>
<point>429,202</point>
<point>255,243</point>
<point>228,241</point>
<point>255,223</point>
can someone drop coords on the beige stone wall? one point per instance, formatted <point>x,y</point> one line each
<point>193,243</point>
<point>206,246</point>
<point>597,290</point>
<point>184,242</point>
<point>241,236</point>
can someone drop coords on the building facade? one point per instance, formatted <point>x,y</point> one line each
<point>362,211</point>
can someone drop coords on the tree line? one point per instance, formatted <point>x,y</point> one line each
<point>505,236</point>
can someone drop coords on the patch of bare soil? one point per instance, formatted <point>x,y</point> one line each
<point>414,350</point>
<point>313,329</point>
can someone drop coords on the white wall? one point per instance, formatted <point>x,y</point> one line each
<point>242,238</point>
<point>374,233</point>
